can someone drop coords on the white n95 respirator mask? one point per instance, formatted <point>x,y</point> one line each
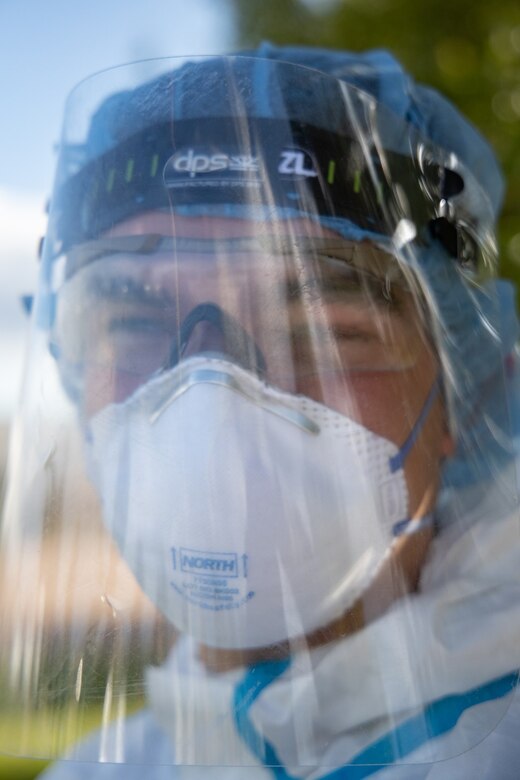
<point>249,516</point>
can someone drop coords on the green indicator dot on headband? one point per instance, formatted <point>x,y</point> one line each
<point>129,170</point>
<point>154,165</point>
<point>331,172</point>
<point>110,179</point>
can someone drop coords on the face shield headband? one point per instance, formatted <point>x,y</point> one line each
<point>276,167</point>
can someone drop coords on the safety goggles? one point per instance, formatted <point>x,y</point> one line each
<point>284,306</point>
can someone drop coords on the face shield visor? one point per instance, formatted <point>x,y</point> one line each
<point>241,394</point>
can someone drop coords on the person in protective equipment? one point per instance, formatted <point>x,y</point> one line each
<point>268,305</point>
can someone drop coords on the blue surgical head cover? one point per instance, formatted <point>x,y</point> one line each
<point>476,328</point>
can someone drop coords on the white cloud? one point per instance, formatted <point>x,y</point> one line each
<point>22,223</point>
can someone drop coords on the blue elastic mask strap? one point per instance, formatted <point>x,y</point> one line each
<point>398,461</point>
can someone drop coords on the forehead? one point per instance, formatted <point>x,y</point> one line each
<point>205,226</point>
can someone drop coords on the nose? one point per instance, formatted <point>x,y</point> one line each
<point>209,329</point>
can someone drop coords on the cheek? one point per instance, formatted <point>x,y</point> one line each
<point>387,403</point>
<point>105,386</point>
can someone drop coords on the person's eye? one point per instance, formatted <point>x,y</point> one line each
<point>371,291</point>
<point>296,290</point>
<point>346,333</point>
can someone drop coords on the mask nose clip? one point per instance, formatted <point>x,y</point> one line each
<point>223,335</point>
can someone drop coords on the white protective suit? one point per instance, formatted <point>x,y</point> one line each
<point>338,714</point>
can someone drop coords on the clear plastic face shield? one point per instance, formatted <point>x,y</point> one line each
<point>240,398</point>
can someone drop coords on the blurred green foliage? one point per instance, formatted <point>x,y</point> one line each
<point>468,49</point>
<point>20,768</point>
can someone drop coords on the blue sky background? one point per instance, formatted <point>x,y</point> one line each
<point>46,47</point>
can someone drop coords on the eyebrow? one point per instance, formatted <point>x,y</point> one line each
<point>350,285</point>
